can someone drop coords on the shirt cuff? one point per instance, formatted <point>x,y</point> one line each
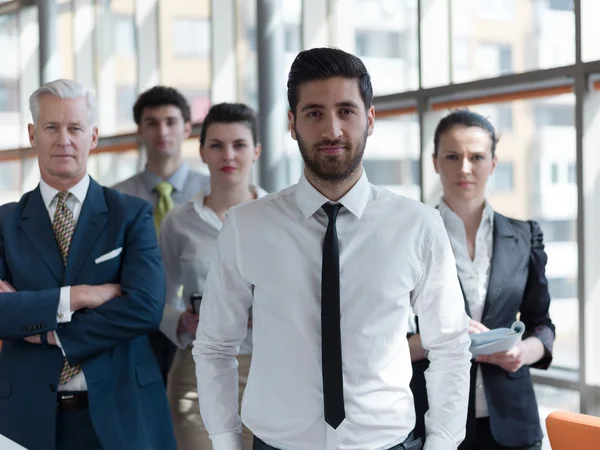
<point>64,313</point>
<point>545,334</point>
<point>227,441</point>
<point>58,343</point>
<point>169,325</point>
<point>434,442</point>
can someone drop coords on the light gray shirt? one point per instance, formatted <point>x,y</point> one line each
<point>188,237</point>
<point>186,183</point>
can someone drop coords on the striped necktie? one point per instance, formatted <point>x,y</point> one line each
<point>64,227</point>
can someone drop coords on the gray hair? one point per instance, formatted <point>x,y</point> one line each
<point>64,89</point>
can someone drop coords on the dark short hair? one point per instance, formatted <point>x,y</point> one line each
<point>466,118</point>
<point>230,113</point>
<point>322,63</point>
<point>161,96</point>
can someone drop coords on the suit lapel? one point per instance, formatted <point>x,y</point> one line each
<point>503,261</point>
<point>91,222</point>
<point>36,224</point>
<point>467,308</point>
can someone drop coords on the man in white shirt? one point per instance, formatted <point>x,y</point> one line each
<point>331,267</point>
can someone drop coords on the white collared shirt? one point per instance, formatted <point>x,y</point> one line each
<point>394,252</point>
<point>64,313</point>
<point>187,239</point>
<point>474,274</point>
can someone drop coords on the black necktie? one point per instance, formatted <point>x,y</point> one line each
<point>333,383</point>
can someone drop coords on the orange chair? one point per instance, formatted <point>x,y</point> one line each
<point>572,431</point>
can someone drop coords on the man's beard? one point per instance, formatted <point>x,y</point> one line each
<point>335,168</point>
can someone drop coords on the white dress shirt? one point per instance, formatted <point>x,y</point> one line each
<point>474,273</point>
<point>394,252</point>
<point>187,239</point>
<point>64,313</point>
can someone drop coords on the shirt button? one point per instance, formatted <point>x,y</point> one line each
<point>60,315</point>
<point>480,386</point>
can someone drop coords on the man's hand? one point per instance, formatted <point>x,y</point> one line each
<point>36,339</point>
<point>188,322</point>
<point>477,327</point>
<point>511,361</point>
<point>85,296</point>
<point>5,286</point>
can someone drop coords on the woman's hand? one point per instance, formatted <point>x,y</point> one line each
<point>477,327</point>
<point>511,361</point>
<point>188,322</point>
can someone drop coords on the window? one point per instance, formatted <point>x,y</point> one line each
<point>126,97</point>
<point>391,171</point>
<point>558,230</point>
<point>292,38</point>
<point>10,172</point>
<point>385,31</point>
<point>554,115</point>
<point>537,38</point>
<point>191,38</point>
<point>379,44</point>
<point>554,173</point>
<point>561,5</point>
<point>572,174</point>
<point>494,59</point>
<point>505,117</point>
<point>9,98</point>
<point>502,180</point>
<point>562,287</point>
<point>495,9</point>
<point>124,37</point>
<point>460,56</point>
<point>505,58</point>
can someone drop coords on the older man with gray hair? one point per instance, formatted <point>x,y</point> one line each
<point>81,285</point>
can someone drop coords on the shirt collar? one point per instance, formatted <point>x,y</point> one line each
<point>310,200</point>
<point>198,201</point>
<point>447,213</point>
<point>79,191</point>
<point>177,180</point>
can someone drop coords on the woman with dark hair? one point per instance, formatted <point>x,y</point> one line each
<point>229,147</point>
<point>501,266</point>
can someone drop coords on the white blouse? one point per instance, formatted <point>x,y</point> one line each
<point>187,239</point>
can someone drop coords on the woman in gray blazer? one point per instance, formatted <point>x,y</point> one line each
<point>501,266</point>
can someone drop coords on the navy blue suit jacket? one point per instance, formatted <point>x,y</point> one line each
<point>517,284</point>
<point>127,401</point>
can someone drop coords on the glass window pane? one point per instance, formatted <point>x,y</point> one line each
<point>383,33</point>
<point>247,52</point>
<point>10,118</point>
<point>532,182</point>
<point>502,179</point>
<point>590,31</point>
<point>191,38</point>
<point>116,73</point>
<point>110,168</point>
<point>392,155</point>
<point>185,55</point>
<point>507,36</point>
<point>124,34</point>
<point>10,181</point>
